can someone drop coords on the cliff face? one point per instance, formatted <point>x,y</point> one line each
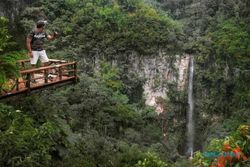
<point>12,9</point>
<point>159,71</point>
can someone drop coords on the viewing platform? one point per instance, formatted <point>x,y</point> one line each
<point>58,71</point>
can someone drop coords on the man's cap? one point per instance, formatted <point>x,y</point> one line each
<point>41,23</point>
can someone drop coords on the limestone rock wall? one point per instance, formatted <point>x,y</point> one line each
<point>158,70</point>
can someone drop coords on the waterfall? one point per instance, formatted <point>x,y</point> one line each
<point>190,117</point>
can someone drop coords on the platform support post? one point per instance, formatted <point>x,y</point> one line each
<point>17,84</point>
<point>75,73</point>
<point>28,82</point>
<point>45,76</point>
<point>60,73</point>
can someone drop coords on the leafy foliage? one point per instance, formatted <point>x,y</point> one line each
<point>221,82</point>
<point>231,41</point>
<point>4,37</point>
<point>231,151</point>
<point>8,60</point>
<point>110,76</point>
<point>23,143</point>
<point>226,58</point>
<point>110,27</point>
<point>151,161</point>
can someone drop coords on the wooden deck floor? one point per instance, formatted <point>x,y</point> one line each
<point>32,79</point>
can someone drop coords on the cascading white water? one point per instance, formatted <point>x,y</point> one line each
<point>190,115</point>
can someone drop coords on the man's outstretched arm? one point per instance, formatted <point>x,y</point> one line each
<point>51,37</point>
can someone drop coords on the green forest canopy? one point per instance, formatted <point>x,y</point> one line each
<point>108,27</point>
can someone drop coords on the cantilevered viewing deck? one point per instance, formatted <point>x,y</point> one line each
<point>59,71</point>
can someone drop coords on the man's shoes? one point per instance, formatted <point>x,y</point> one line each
<point>33,81</point>
<point>50,77</point>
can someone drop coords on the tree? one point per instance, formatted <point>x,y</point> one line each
<point>4,36</point>
<point>151,160</point>
<point>22,142</point>
<point>7,60</point>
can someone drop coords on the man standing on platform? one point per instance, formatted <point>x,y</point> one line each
<point>35,41</point>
